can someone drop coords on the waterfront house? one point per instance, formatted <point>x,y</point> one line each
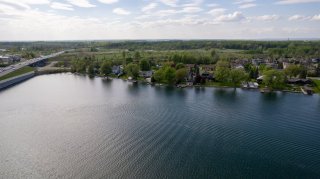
<point>146,74</point>
<point>117,69</point>
<point>260,79</point>
<point>299,81</point>
<point>315,60</point>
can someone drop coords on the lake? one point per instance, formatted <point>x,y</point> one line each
<point>68,126</point>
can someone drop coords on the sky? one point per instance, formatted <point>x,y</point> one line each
<point>23,20</point>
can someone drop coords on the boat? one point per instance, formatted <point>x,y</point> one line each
<point>265,90</point>
<point>181,86</point>
<point>306,90</point>
<point>107,78</point>
<point>131,80</point>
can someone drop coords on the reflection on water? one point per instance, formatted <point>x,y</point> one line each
<point>67,126</point>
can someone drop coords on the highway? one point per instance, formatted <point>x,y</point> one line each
<point>11,68</point>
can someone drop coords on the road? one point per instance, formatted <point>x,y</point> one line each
<point>15,67</point>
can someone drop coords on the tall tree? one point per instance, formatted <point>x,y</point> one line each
<point>181,74</point>
<point>132,70</point>
<point>144,65</point>
<point>222,71</point>
<point>237,75</point>
<point>169,74</point>
<point>106,68</point>
<point>274,79</point>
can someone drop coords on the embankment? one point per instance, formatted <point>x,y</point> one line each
<point>15,80</point>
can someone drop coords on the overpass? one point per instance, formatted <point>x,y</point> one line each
<point>15,67</point>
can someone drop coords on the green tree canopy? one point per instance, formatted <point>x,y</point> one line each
<point>222,71</point>
<point>170,75</point>
<point>132,70</point>
<point>179,66</point>
<point>181,74</point>
<point>106,68</point>
<point>274,79</point>
<point>144,65</point>
<point>294,71</point>
<point>237,75</point>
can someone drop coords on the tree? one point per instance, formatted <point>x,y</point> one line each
<point>169,74</point>
<point>222,71</point>
<point>181,74</point>
<point>132,70</point>
<point>236,76</point>
<point>91,70</point>
<point>106,68</point>
<point>295,70</point>
<point>144,65</point>
<point>158,75</point>
<point>179,66</point>
<point>214,55</point>
<point>137,56</point>
<point>274,79</point>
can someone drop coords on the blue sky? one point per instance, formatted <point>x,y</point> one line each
<point>158,19</point>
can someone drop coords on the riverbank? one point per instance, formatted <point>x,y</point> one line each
<point>15,80</point>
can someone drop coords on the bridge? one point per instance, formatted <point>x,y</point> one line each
<point>30,62</point>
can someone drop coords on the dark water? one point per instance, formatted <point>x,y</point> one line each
<point>66,126</point>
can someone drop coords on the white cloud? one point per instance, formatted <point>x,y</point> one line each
<point>81,3</point>
<point>316,17</point>
<point>108,1</point>
<point>217,11</point>
<point>298,17</point>
<point>296,1</point>
<point>149,7</point>
<point>236,16</point>
<point>25,4</point>
<point>61,6</point>
<point>191,10</point>
<point>171,3</point>
<point>244,4</point>
<point>121,11</point>
<point>213,5</point>
<point>267,18</point>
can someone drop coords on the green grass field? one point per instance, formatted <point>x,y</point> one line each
<point>317,86</point>
<point>17,73</point>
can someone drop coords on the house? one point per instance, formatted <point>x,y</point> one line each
<point>116,70</point>
<point>239,67</point>
<point>260,79</point>
<point>272,65</point>
<point>207,75</point>
<point>257,62</point>
<point>146,74</point>
<point>207,68</point>
<point>286,65</point>
<point>315,60</point>
<point>10,59</point>
<point>5,60</point>
<point>299,81</point>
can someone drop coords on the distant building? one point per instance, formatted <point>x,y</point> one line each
<point>257,62</point>
<point>286,65</point>
<point>9,59</point>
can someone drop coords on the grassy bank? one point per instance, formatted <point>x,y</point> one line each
<point>18,72</point>
<point>317,86</point>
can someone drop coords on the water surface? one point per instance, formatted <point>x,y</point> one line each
<point>67,126</point>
